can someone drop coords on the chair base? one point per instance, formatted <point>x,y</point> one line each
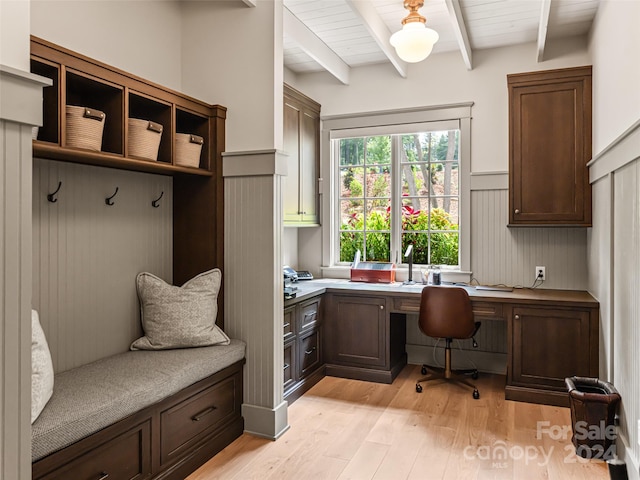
<point>458,377</point>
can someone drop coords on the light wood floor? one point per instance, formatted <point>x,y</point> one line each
<point>348,429</point>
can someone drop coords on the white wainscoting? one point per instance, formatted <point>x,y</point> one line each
<point>614,278</point>
<point>253,296</point>
<point>86,255</point>
<point>21,100</point>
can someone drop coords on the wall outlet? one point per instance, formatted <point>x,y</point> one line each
<point>541,273</point>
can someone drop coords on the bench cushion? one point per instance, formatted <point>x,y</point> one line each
<point>91,397</point>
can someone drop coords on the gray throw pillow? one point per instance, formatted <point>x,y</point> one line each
<point>41,368</point>
<point>179,317</point>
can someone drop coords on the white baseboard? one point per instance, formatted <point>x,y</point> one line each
<point>488,362</point>
<point>265,422</point>
<point>626,455</point>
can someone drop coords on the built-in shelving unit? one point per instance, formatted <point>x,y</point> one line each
<point>198,199</point>
<point>79,80</point>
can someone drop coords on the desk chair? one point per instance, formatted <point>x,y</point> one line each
<point>445,312</point>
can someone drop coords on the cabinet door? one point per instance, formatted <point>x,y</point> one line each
<point>301,135</point>
<point>550,145</point>
<point>356,331</point>
<point>309,165</point>
<point>290,365</point>
<point>548,345</point>
<point>290,183</point>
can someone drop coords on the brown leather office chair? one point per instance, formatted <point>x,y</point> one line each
<point>445,312</point>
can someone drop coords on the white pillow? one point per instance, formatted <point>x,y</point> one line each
<point>41,368</point>
<point>179,317</point>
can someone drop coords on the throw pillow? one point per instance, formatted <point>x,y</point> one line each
<point>179,317</point>
<point>41,368</point>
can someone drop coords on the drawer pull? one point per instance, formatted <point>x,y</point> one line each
<point>103,476</point>
<point>204,413</point>
<point>286,365</point>
<point>309,352</point>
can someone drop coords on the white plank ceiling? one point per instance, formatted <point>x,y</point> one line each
<point>350,33</point>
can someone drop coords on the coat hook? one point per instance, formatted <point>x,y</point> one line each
<point>52,196</point>
<point>155,203</point>
<point>108,199</point>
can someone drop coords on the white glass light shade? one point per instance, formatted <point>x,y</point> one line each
<point>414,42</point>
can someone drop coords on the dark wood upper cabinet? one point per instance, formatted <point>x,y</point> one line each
<point>549,147</point>
<point>302,145</point>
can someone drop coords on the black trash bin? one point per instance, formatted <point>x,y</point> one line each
<point>593,405</point>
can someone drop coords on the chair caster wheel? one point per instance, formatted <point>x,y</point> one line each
<point>474,375</point>
<point>476,394</point>
<point>423,371</point>
<point>418,388</point>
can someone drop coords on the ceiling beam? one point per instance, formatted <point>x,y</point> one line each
<point>250,3</point>
<point>379,31</point>
<point>460,30</point>
<point>315,48</point>
<point>542,28</point>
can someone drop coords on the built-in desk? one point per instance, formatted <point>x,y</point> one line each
<point>552,334</point>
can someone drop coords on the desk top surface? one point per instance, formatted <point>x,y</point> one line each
<point>311,288</point>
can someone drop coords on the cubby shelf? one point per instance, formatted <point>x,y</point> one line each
<point>81,81</point>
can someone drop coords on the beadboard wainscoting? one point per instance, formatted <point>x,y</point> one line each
<point>21,100</point>
<point>614,277</point>
<point>86,255</point>
<point>253,296</point>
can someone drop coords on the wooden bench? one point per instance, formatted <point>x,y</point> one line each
<point>141,414</point>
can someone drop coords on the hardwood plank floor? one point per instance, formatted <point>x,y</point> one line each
<point>348,429</point>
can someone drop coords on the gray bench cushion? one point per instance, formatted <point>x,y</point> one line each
<point>88,398</point>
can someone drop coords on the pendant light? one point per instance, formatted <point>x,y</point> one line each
<point>415,41</point>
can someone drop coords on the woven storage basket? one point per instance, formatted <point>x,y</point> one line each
<point>144,138</point>
<point>85,127</point>
<point>188,148</point>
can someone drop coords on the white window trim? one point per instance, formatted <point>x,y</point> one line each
<point>341,126</point>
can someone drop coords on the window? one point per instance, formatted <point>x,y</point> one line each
<point>398,185</point>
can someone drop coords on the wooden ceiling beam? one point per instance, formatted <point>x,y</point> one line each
<point>460,30</point>
<point>313,46</point>
<point>379,31</point>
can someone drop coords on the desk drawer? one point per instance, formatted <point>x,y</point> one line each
<point>190,420</point>
<point>309,352</point>
<point>309,315</point>
<point>487,310</point>
<point>407,304</point>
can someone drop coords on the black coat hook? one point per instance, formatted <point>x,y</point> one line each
<point>108,199</point>
<point>52,196</point>
<point>155,203</point>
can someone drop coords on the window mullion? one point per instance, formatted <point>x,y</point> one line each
<point>396,199</point>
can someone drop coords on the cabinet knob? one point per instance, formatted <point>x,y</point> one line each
<point>517,317</point>
<point>381,307</point>
<point>516,211</point>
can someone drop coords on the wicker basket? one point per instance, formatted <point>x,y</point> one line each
<point>144,139</point>
<point>188,148</point>
<point>85,127</point>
